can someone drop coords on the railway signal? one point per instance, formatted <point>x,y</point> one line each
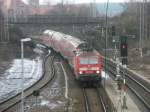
<point>124,50</point>
<point>113,30</point>
<point>124,55</point>
<point>36,93</point>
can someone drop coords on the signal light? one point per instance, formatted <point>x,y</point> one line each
<point>113,30</point>
<point>124,46</point>
<point>36,93</point>
<point>124,49</point>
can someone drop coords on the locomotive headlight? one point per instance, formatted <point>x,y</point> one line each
<point>97,71</point>
<point>80,72</point>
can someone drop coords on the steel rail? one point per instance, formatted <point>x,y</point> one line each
<point>104,106</point>
<point>101,100</point>
<point>28,92</point>
<point>87,105</point>
<point>5,100</point>
<point>133,89</point>
<point>139,92</point>
<point>139,97</point>
<point>141,89</point>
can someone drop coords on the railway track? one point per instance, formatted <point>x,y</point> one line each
<point>48,75</point>
<point>138,86</point>
<point>96,100</point>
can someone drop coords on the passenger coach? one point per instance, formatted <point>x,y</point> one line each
<point>85,61</point>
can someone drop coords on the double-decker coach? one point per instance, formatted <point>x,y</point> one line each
<point>85,61</point>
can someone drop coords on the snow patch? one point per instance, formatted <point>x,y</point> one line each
<point>10,83</point>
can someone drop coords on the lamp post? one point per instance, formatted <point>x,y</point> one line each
<point>22,73</point>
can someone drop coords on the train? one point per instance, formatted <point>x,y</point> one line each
<point>85,61</point>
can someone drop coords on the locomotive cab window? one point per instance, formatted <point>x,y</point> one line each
<point>89,60</point>
<point>83,60</point>
<point>93,60</point>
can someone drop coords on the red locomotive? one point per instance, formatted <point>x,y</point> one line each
<point>86,62</point>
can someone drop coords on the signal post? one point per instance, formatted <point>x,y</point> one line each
<point>121,82</point>
<point>124,60</point>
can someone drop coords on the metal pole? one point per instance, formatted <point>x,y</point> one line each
<point>94,8</point>
<point>7,28</point>
<point>143,22</point>
<point>106,25</point>
<point>124,106</point>
<point>22,73</point>
<point>140,43</point>
<point>5,31</point>
<point>22,81</point>
<point>73,28</point>
<point>106,36</point>
<point>1,26</point>
<point>146,21</point>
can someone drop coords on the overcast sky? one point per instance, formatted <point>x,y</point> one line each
<point>75,1</point>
